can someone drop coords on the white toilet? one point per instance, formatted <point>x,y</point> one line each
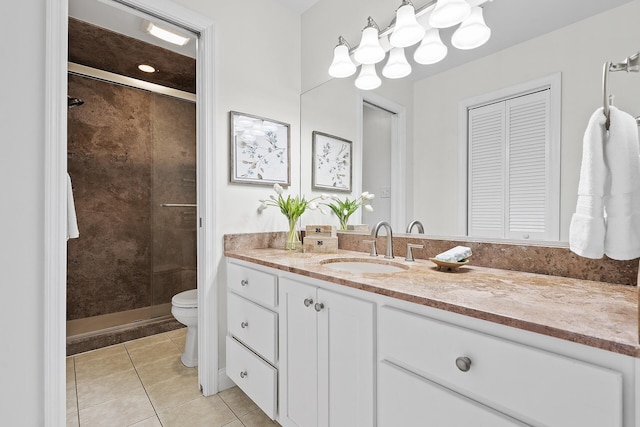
<point>185,310</point>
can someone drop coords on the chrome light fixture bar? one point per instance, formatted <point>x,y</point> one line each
<point>409,27</point>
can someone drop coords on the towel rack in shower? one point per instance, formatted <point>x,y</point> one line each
<point>630,64</point>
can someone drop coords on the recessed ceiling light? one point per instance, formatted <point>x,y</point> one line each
<point>166,35</point>
<point>146,68</point>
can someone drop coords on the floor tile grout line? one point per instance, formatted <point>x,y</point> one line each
<point>155,410</point>
<point>75,385</point>
<point>135,368</point>
<point>230,408</point>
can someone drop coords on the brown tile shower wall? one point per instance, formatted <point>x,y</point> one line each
<point>128,152</point>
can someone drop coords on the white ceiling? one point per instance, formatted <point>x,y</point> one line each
<point>299,6</point>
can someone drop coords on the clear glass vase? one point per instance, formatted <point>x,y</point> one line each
<point>343,222</point>
<point>293,238</point>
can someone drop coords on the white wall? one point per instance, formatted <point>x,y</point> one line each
<point>21,217</point>
<point>578,51</point>
<point>254,74</point>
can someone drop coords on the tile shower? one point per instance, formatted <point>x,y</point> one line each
<point>129,152</point>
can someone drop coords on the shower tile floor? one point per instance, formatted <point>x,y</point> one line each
<point>142,383</point>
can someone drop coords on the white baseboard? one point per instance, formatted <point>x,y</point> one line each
<point>224,382</point>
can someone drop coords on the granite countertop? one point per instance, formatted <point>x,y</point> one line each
<point>597,314</point>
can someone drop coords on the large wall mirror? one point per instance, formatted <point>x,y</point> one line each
<point>432,154</point>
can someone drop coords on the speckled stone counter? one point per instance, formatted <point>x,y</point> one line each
<point>597,314</point>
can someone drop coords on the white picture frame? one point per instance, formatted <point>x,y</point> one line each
<point>331,163</point>
<point>259,150</point>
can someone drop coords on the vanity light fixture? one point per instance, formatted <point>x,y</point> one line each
<point>272,127</point>
<point>368,79</point>
<point>146,68</point>
<point>449,13</point>
<point>407,31</point>
<point>369,51</point>
<point>397,65</point>
<point>431,49</point>
<point>166,35</point>
<point>473,32</point>
<point>342,65</point>
<point>409,27</point>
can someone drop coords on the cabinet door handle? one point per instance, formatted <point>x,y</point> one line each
<point>463,363</point>
<point>319,306</point>
<point>244,324</point>
<point>243,374</point>
<point>244,282</point>
<point>308,302</point>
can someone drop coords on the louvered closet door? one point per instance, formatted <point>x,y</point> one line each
<point>486,171</point>
<point>527,133</point>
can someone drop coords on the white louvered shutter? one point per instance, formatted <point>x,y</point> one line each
<point>509,189</point>
<point>486,171</point>
<point>527,132</point>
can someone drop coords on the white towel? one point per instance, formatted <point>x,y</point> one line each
<point>72,220</point>
<point>607,217</point>
<point>456,254</point>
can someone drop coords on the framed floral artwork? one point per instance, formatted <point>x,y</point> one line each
<point>260,150</point>
<point>331,168</point>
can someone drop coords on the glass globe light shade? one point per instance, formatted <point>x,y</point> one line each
<point>369,51</point>
<point>247,137</point>
<point>342,65</point>
<point>368,79</point>
<point>244,123</point>
<point>407,31</point>
<point>473,32</point>
<point>448,13</point>
<point>397,65</point>
<point>431,49</point>
<point>269,127</point>
<point>257,129</point>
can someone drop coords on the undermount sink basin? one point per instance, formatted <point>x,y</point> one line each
<point>363,265</point>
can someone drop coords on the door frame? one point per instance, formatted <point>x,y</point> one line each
<point>55,190</point>
<point>398,161</point>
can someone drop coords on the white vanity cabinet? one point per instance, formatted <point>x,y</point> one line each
<point>252,337</point>
<point>312,353</point>
<point>465,377</point>
<point>327,356</point>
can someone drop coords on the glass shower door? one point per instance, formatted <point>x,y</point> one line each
<point>174,226</point>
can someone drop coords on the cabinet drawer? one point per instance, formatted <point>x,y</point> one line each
<point>254,325</point>
<point>403,397</point>
<point>533,385</point>
<point>253,375</point>
<point>253,284</point>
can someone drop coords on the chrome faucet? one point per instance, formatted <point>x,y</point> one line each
<point>417,224</point>
<point>374,234</point>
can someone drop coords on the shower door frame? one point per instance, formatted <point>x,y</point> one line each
<point>55,163</point>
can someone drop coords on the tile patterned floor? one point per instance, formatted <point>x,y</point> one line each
<point>142,383</point>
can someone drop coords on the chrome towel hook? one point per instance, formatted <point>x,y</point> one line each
<point>630,64</point>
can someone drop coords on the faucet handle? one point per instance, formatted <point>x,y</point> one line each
<point>374,250</point>
<point>410,247</point>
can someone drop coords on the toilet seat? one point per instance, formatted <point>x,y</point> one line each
<point>186,299</point>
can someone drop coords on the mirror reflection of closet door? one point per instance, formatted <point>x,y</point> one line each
<point>376,162</point>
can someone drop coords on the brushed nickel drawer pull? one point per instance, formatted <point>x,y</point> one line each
<point>463,363</point>
<point>243,374</point>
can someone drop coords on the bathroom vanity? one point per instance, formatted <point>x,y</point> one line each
<point>477,346</point>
